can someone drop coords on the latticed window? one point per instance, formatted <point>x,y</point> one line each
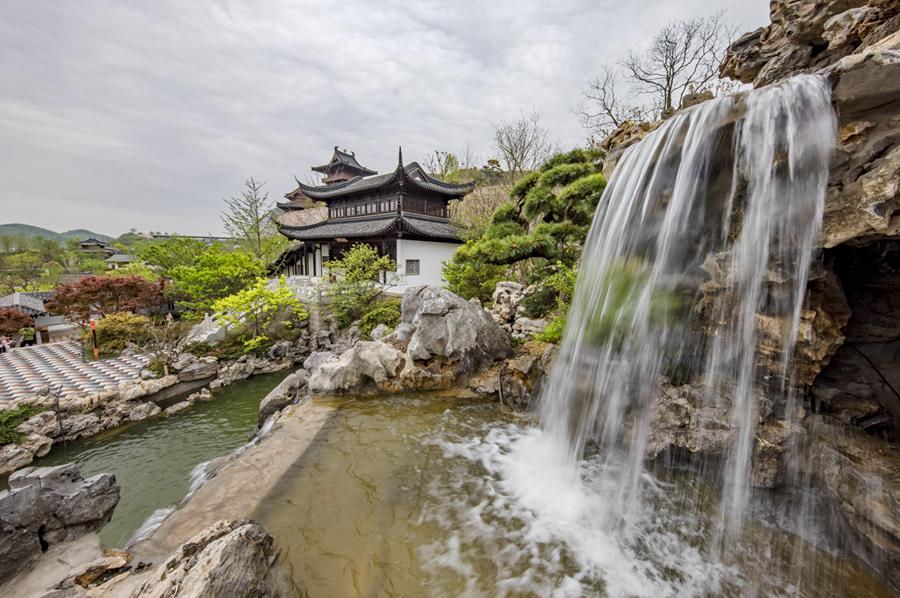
<point>412,267</point>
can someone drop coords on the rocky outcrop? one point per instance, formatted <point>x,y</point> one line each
<point>231,559</point>
<point>367,366</point>
<point>282,395</point>
<point>516,382</point>
<point>508,312</point>
<point>50,505</point>
<point>441,340</point>
<point>450,328</point>
<point>862,475</point>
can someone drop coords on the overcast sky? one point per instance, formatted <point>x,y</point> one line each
<point>118,114</point>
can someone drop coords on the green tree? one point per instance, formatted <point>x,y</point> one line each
<point>249,218</point>
<point>167,254</point>
<point>473,280</point>
<point>216,273</point>
<point>360,276</point>
<point>257,306</point>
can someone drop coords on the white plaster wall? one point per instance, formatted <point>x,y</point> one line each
<point>431,256</point>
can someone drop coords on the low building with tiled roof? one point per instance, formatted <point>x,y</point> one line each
<point>403,214</point>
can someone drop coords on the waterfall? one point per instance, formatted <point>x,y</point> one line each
<point>707,224</point>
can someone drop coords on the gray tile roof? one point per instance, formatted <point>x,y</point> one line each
<point>24,302</point>
<point>412,172</point>
<point>120,258</point>
<point>372,227</point>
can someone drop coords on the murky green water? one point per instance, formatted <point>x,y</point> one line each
<point>413,496</point>
<point>153,459</point>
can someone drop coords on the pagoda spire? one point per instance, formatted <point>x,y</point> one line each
<point>400,156</point>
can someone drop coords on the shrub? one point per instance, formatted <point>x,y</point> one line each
<point>256,307</point>
<point>468,279</point>
<point>116,331</point>
<point>539,302</point>
<point>358,281</point>
<point>385,312</point>
<point>10,419</point>
<point>158,366</point>
<point>13,320</point>
<point>554,330</point>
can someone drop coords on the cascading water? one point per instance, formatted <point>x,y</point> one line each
<point>706,226</point>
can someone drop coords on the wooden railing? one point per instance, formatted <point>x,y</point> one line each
<point>423,206</point>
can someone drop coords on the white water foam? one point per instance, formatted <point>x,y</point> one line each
<point>547,532</point>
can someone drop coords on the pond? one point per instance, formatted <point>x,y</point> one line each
<point>417,495</point>
<point>153,459</point>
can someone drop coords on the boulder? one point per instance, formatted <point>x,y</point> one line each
<point>205,367</point>
<point>208,331</point>
<point>282,395</point>
<point>143,411</point>
<point>43,423</point>
<point>176,408</point>
<point>366,366</point>
<point>399,338</point>
<point>233,559</point>
<point>81,425</point>
<point>379,332</point>
<point>452,329</point>
<point>13,457</point>
<point>861,473</point>
<point>49,505</point>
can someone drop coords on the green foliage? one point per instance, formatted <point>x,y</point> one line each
<point>554,330</point>
<point>473,280</point>
<point>214,274</point>
<point>10,419</point>
<point>158,367</point>
<point>116,331</point>
<point>539,302</point>
<point>257,345</point>
<point>359,279</point>
<point>385,312</point>
<point>198,349</point>
<point>549,218</point>
<point>617,298</point>
<point>256,307</point>
<point>136,269</point>
<point>168,254</point>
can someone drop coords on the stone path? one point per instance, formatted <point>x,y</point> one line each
<point>24,370</point>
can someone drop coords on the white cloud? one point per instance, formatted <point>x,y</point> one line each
<point>116,114</point>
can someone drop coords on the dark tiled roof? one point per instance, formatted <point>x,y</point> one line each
<point>372,227</point>
<point>412,173</point>
<point>344,158</point>
<point>32,306</point>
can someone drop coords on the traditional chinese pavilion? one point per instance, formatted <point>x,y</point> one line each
<point>403,214</point>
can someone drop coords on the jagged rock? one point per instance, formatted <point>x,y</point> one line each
<point>202,395</point>
<point>399,338</point>
<point>208,331</point>
<point>527,327</point>
<point>81,425</point>
<point>452,329</point>
<point>183,360</point>
<point>692,99</point>
<point>280,350</point>
<point>506,297</point>
<point>282,395</point>
<point>517,381</point>
<point>49,505</point>
<point>99,570</point>
<point>686,423</point>
<point>862,473</point>
<point>43,424</point>
<point>231,559</point>
<point>38,445</point>
<point>205,367</point>
<point>143,411</point>
<point>379,332</point>
<point>368,364</point>
<point>176,408</point>
<point>13,457</point>
<point>317,358</point>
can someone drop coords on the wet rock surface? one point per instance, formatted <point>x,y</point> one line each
<point>231,559</point>
<point>47,506</point>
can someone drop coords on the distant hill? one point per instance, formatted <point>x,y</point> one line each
<point>26,230</point>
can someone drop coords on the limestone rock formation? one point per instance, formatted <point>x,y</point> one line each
<point>282,395</point>
<point>367,365</point>
<point>230,559</point>
<point>452,329</point>
<point>441,339</point>
<point>48,505</point>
